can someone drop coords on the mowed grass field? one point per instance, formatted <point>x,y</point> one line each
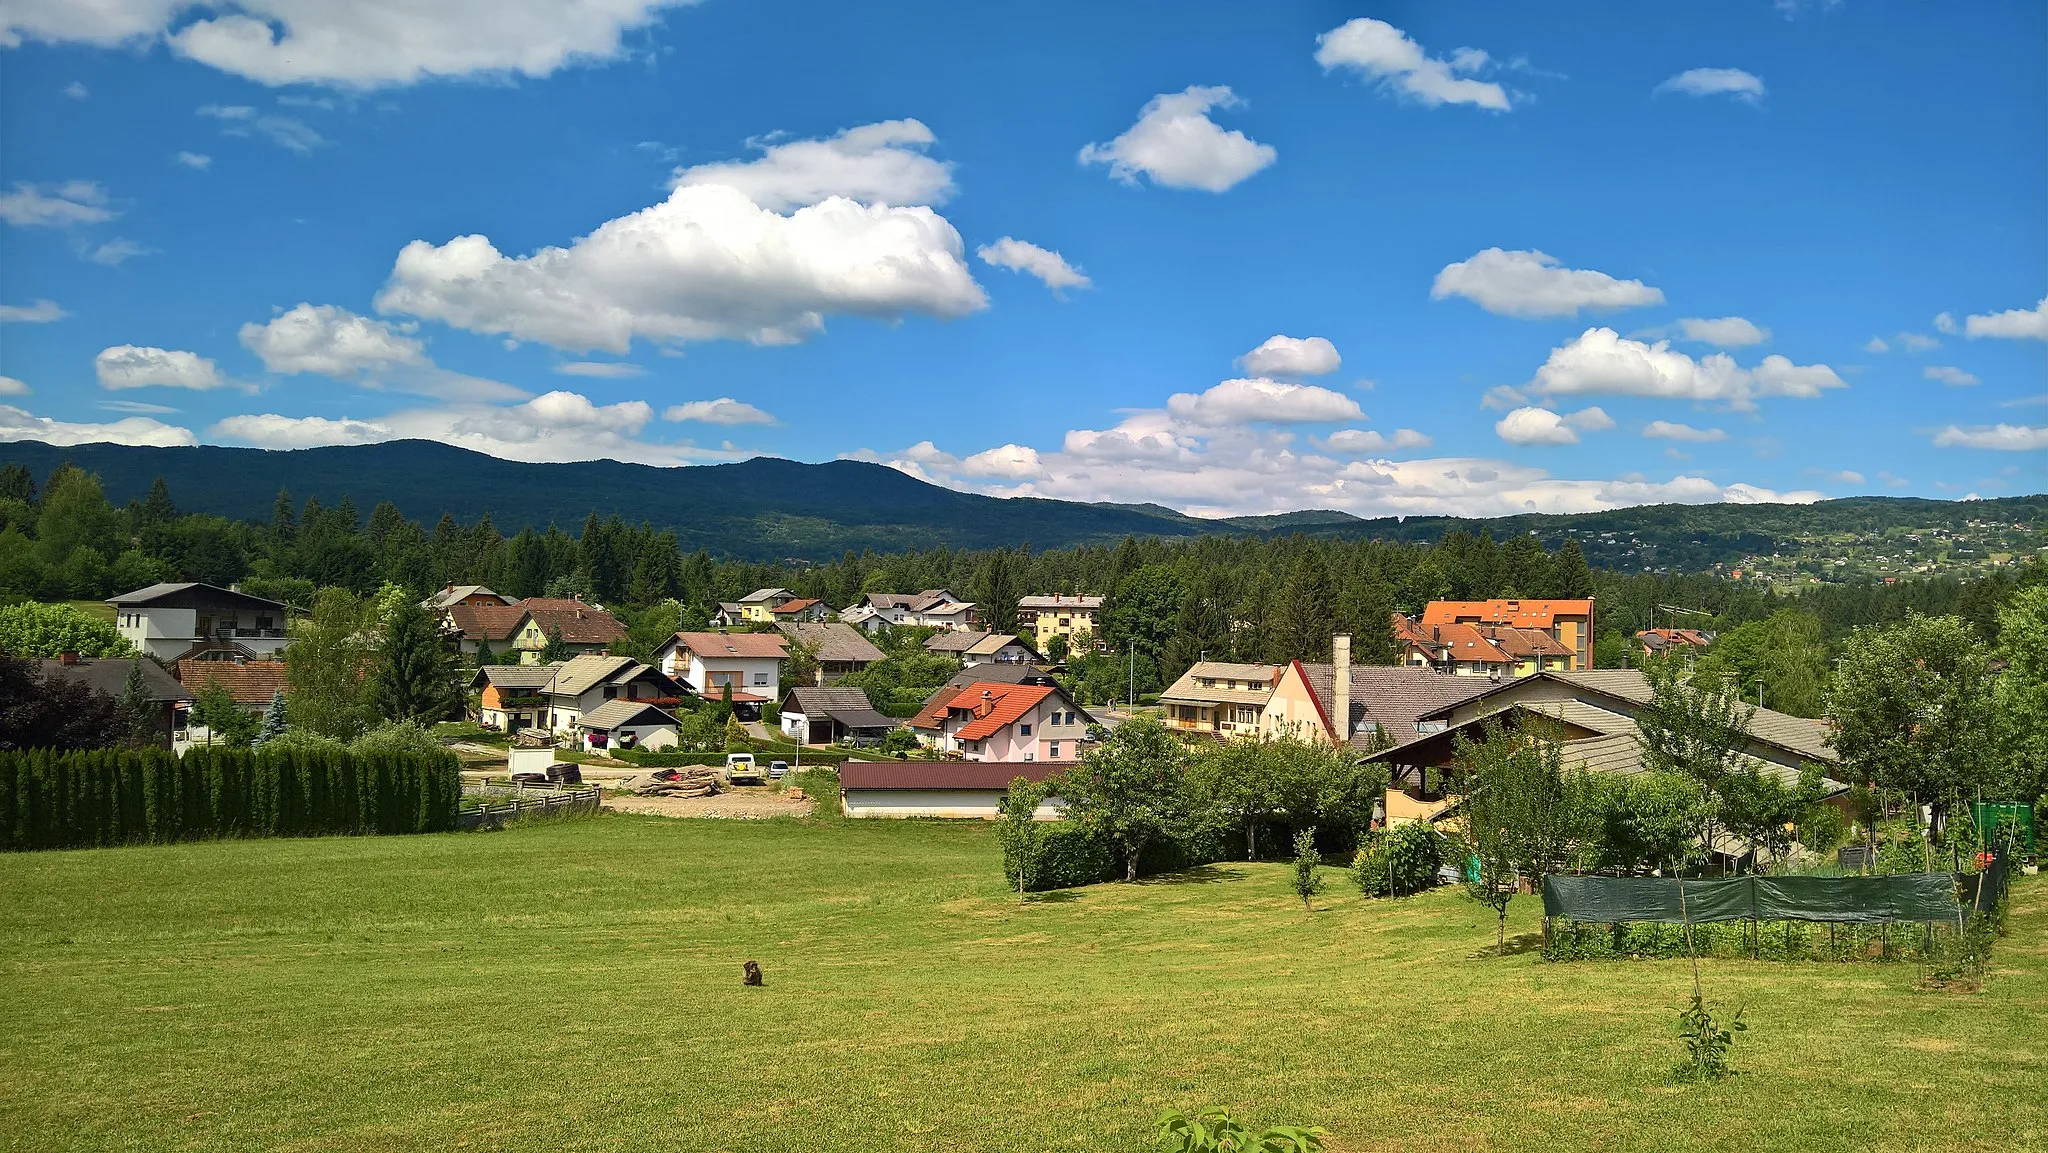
<point>577,987</point>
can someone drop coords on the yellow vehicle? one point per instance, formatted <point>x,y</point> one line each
<point>742,766</point>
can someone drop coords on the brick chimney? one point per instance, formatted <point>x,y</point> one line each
<point>1340,681</point>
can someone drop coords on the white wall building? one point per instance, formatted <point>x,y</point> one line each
<point>167,621</point>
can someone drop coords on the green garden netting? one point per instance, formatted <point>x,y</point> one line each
<point>1848,900</point>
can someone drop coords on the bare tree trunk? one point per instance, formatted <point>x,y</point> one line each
<point>1131,864</point>
<point>1251,840</point>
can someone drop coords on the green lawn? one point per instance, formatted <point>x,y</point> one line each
<point>576,986</point>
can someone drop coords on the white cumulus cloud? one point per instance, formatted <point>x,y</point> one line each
<point>1533,284</point>
<point>724,410</point>
<point>604,369</point>
<point>16,424</point>
<point>1362,441</point>
<point>1176,144</point>
<point>329,340</point>
<point>1734,82</point>
<point>41,312</point>
<point>1600,361</point>
<point>198,160</point>
<point>1020,256</point>
<point>1542,426</point>
<point>2012,324</point>
<point>55,205</point>
<point>1725,332</point>
<point>1383,53</point>
<point>1263,401</point>
<point>1948,374</point>
<point>348,43</point>
<point>1292,356</point>
<point>2003,437</point>
<point>269,430</point>
<point>706,263</point>
<point>875,164</point>
<point>10,386</point>
<point>1672,430</point>
<point>133,366</point>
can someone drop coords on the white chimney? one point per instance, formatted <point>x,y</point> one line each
<point>1340,680</point>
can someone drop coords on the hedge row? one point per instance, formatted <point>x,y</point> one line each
<point>1070,855</point>
<point>95,797</point>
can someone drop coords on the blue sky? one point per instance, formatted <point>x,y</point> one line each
<point>1446,257</point>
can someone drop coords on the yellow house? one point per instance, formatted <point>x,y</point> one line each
<point>758,607</point>
<point>1072,617</point>
<point>1219,699</point>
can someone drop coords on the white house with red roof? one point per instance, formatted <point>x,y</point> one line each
<point>749,663</point>
<point>993,721</point>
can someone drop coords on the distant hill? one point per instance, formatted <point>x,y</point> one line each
<point>769,508</point>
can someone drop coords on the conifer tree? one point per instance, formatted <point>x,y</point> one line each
<point>136,718</point>
<point>414,680</point>
<point>1306,612</point>
<point>273,720</point>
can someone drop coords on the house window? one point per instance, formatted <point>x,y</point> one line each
<point>1053,750</point>
<point>1030,756</point>
<point>760,678</point>
<point>1023,730</point>
<point>611,692</point>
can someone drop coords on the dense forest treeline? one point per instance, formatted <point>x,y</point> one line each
<point>769,508</point>
<point>1171,602</point>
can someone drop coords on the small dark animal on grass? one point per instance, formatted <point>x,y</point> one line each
<point>753,969</point>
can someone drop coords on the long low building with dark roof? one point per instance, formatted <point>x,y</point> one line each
<point>968,790</point>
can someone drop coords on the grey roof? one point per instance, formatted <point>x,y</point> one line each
<point>191,594</point>
<point>993,643</point>
<point>617,714</point>
<point>1797,735</point>
<point>953,642</point>
<point>442,598</point>
<point>1606,722</point>
<point>578,674</point>
<point>1188,689</point>
<point>1622,754</point>
<point>110,676</point>
<point>760,595</point>
<point>516,676</point>
<point>833,640</point>
<point>1060,602</point>
<point>1391,697</point>
<point>845,704</point>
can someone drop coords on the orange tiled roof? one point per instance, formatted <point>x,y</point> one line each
<point>994,706</point>
<point>795,606</point>
<point>249,682</point>
<point>1522,613</point>
<point>575,622</point>
<point>486,622</point>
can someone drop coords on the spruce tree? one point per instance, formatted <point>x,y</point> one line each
<point>136,716</point>
<point>1306,612</point>
<point>998,599</point>
<point>415,680</point>
<point>273,720</point>
<point>1570,577</point>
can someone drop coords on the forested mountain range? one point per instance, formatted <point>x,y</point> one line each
<point>770,508</point>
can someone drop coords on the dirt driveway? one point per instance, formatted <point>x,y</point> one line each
<point>740,804</point>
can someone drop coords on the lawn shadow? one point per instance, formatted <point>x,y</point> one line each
<point>1052,897</point>
<point>1199,875</point>
<point>1516,946</point>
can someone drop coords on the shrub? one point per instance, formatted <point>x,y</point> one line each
<point>1706,1042</point>
<point>1217,1131</point>
<point>1307,879</point>
<point>1069,856</point>
<point>1400,860</point>
<point>821,785</point>
<point>398,737</point>
<point>47,631</point>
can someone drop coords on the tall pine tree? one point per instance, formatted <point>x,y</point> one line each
<point>415,679</point>
<point>998,596</point>
<point>1306,613</point>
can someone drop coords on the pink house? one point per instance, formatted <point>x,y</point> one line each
<point>990,721</point>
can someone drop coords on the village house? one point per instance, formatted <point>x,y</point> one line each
<point>168,699</point>
<point>932,608</point>
<point>1592,716</point>
<point>812,715</point>
<point>525,627</point>
<point>1219,699</point>
<point>627,724</point>
<point>758,607</point>
<point>455,594</point>
<point>974,647</point>
<point>253,684</point>
<point>1659,642</point>
<point>1361,706</point>
<point>991,721</point>
<point>882,789</point>
<point>1072,617</point>
<point>841,648</point>
<point>169,621</point>
<point>1494,651</point>
<point>802,609</point>
<point>574,690</point>
<point>1567,621</point>
<point>750,664</point>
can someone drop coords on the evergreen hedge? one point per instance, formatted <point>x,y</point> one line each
<point>97,797</point>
